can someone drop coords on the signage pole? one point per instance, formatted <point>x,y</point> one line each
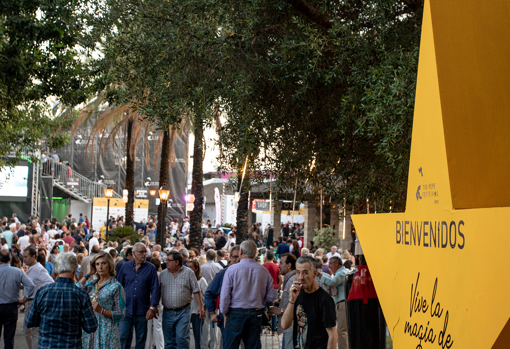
<point>294,203</point>
<point>107,218</point>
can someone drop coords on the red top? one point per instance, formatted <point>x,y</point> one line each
<point>274,271</point>
<point>68,240</point>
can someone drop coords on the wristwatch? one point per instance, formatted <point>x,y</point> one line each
<point>153,308</point>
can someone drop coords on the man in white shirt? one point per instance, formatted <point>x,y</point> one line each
<point>52,231</point>
<point>40,277</point>
<point>94,240</point>
<point>333,252</point>
<point>24,241</point>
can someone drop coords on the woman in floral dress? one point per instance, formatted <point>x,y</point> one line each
<point>108,301</point>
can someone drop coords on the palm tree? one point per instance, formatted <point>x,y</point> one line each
<point>167,138</point>
<point>115,118</point>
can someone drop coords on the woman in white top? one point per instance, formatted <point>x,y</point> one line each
<point>209,239</point>
<point>5,246</point>
<point>196,321</point>
<point>174,226</point>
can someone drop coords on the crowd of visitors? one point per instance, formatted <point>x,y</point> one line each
<point>77,290</point>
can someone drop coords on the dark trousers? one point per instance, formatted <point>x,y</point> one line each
<point>139,322</point>
<point>197,323</point>
<point>8,321</point>
<point>243,324</point>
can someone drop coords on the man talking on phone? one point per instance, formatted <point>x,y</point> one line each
<point>311,310</point>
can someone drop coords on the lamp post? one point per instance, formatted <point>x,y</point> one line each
<point>108,193</point>
<point>164,194</point>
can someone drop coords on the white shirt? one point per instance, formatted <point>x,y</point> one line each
<point>185,227</point>
<point>23,242</point>
<point>92,242</point>
<point>209,270</point>
<point>5,247</point>
<point>52,233</point>
<point>329,254</point>
<point>202,285</point>
<point>39,276</point>
<point>45,237</point>
<point>230,241</point>
<point>300,243</point>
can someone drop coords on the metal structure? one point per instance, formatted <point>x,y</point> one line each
<point>86,190</point>
<point>35,188</point>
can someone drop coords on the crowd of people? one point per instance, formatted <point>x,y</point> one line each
<point>79,291</point>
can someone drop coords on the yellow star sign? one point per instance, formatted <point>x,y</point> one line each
<point>441,269</point>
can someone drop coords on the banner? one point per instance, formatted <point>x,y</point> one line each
<point>117,209</point>
<point>72,183</point>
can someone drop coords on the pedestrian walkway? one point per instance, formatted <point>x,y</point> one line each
<point>268,341</point>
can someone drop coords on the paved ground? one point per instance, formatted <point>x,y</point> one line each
<point>268,341</point>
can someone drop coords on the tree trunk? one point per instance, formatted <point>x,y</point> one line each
<point>242,208</point>
<point>130,175</point>
<point>197,185</point>
<point>163,179</point>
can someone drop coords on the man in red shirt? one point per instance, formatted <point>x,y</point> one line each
<point>275,273</point>
<point>68,239</point>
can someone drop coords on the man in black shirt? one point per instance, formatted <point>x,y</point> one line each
<point>221,242</point>
<point>311,310</point>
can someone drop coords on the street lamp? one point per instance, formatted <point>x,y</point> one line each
<point>108,193</point>
<point>164,194</point>
<point>152,192</point>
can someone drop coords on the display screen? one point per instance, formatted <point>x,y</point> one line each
<point>14,181</point>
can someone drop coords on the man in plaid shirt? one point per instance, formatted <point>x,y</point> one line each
<point>61,310</point>
<point>178,287</point>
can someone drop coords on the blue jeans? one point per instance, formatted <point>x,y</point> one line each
<point>197,323</point>
<point>176,328</point>
<point>243,324</point>
<point>126,331</point>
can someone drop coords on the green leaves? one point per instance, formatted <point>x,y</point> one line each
<point>38,59</point>
<point>312,91</point>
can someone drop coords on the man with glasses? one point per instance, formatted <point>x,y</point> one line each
<point>214,290</point>
<point>178,287</point>
<point>140,281</point>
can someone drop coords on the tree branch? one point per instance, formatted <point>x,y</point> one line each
<point>312,13</point>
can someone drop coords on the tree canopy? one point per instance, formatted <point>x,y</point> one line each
<point>323,92</point>
<point>40,46</point>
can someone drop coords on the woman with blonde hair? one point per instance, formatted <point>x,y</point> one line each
<point>202,260</point>
<point>108,301</point>
<point>346,256</point>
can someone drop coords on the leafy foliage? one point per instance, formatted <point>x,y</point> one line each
<point>326,240</point>
<point>322,92</point>
<point>126,232</point>
<point>39,42</point>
